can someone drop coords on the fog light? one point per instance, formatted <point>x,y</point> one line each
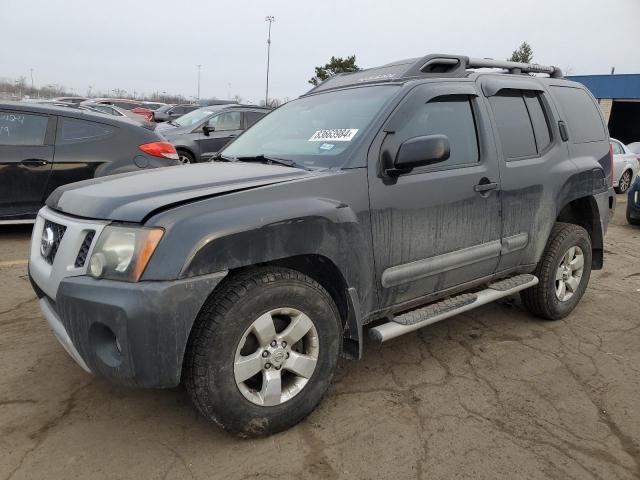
<point>96,265</point>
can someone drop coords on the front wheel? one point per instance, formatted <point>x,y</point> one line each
<point>263,351</point>
<point>563,271</point>
<point>624,183</point>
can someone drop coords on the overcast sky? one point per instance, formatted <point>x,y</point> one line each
<point>155,45</point>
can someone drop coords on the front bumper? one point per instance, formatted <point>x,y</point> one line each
<point>130,333</point>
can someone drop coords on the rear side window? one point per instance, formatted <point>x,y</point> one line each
<point>451,116</point>
<point>75,131</point>
<point>22,129</point>
<point>253,117</point>
<point>583,117</point>
<point>514,126</point>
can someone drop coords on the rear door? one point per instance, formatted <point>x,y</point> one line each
<point>82,146</point>
<point>26,156</point>
<point>534,166</point>
<point>438,226</point>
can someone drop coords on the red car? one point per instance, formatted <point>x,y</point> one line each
<point>131,105</point>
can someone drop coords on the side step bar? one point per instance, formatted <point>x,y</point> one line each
<point>416,319</point>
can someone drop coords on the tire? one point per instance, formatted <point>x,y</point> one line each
<point>224,328</point>
<point>185,157</point>
<point>543,300</point>
<point>632,221</point>
<point>625,182</point>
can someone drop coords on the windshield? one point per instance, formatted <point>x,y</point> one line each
<point>316,130</point>
<point>194,117</point>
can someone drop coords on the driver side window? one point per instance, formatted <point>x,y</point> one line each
<point>226,121</point>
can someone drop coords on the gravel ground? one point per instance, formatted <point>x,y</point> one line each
<point>491,394</point>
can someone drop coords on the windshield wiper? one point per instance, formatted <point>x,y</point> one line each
<point>271,160</point>
<point>171,122</point>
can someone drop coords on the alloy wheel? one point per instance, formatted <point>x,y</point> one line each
<point>569,273</point>
<point>276,356</point>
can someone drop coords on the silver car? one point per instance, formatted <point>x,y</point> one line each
<point>625,166</point>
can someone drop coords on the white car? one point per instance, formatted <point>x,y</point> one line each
<point>625,166</point>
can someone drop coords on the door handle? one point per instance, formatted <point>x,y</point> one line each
<point>33,163</point>
<point>485,187</point>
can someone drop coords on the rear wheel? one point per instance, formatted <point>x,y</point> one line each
<point>563,271</point>
<point>185,157</point>
<point>263,351</point>
<point>624,183</point>
<point>632,221</point>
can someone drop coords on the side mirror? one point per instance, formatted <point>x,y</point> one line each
<point>207,129</point>
<point>418,152</point>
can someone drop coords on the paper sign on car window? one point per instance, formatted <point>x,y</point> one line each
<point>334,134</point>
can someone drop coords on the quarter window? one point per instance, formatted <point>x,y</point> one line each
<point>75,131</point>
<point>583,117</point>
<point>22,129</point>
<point>451,116</point>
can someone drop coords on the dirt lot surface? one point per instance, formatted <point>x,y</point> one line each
<point>492,394</point>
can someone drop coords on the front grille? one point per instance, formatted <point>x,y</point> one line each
<point>58,232</point>
<point>84,249</point>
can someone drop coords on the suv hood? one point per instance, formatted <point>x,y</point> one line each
<point>131,197</point>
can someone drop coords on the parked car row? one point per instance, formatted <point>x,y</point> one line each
<point>43,146</point>
<point>203,132</point>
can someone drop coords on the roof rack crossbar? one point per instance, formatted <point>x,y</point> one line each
<point>514,67</point>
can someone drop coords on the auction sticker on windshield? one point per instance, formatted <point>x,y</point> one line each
<point>334,134</point>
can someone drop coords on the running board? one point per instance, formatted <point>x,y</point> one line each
<point>416,319</point>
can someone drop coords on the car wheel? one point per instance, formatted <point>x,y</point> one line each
<point>624,183</point>
<point>185,157</point>
<point>263,351</point>
<point>563,273</point>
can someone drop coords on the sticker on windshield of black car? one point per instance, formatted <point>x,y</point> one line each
<point>327,146</point>
<point>334,134</point>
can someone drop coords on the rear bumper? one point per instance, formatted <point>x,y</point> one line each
<point>130,333</point>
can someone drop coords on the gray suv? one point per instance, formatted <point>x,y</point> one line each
<point>381,201</point>
<point>203,132</point>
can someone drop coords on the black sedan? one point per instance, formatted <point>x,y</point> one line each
<point>45,146</point>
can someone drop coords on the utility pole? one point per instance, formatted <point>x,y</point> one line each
<point>199,67</point>
<point>269,19</point>
<point>31,70</point>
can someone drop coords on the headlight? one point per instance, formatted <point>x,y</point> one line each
<point>122,253</point>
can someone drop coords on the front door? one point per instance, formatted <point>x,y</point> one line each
<point>226,125</point>
<point>438,226</point>
<point>26,156</point>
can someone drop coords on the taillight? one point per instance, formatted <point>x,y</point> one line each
<point>611,159</point>
<point>160,149</point>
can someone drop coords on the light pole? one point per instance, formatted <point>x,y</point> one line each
<point>199,67</point>
<point>31,70</point>
<point>269,19</point>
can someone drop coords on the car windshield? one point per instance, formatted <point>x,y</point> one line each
<point>194,117</point>
<point>313,131</point>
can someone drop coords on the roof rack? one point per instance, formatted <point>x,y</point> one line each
<point>433,65</point>
<point>457,65</point>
